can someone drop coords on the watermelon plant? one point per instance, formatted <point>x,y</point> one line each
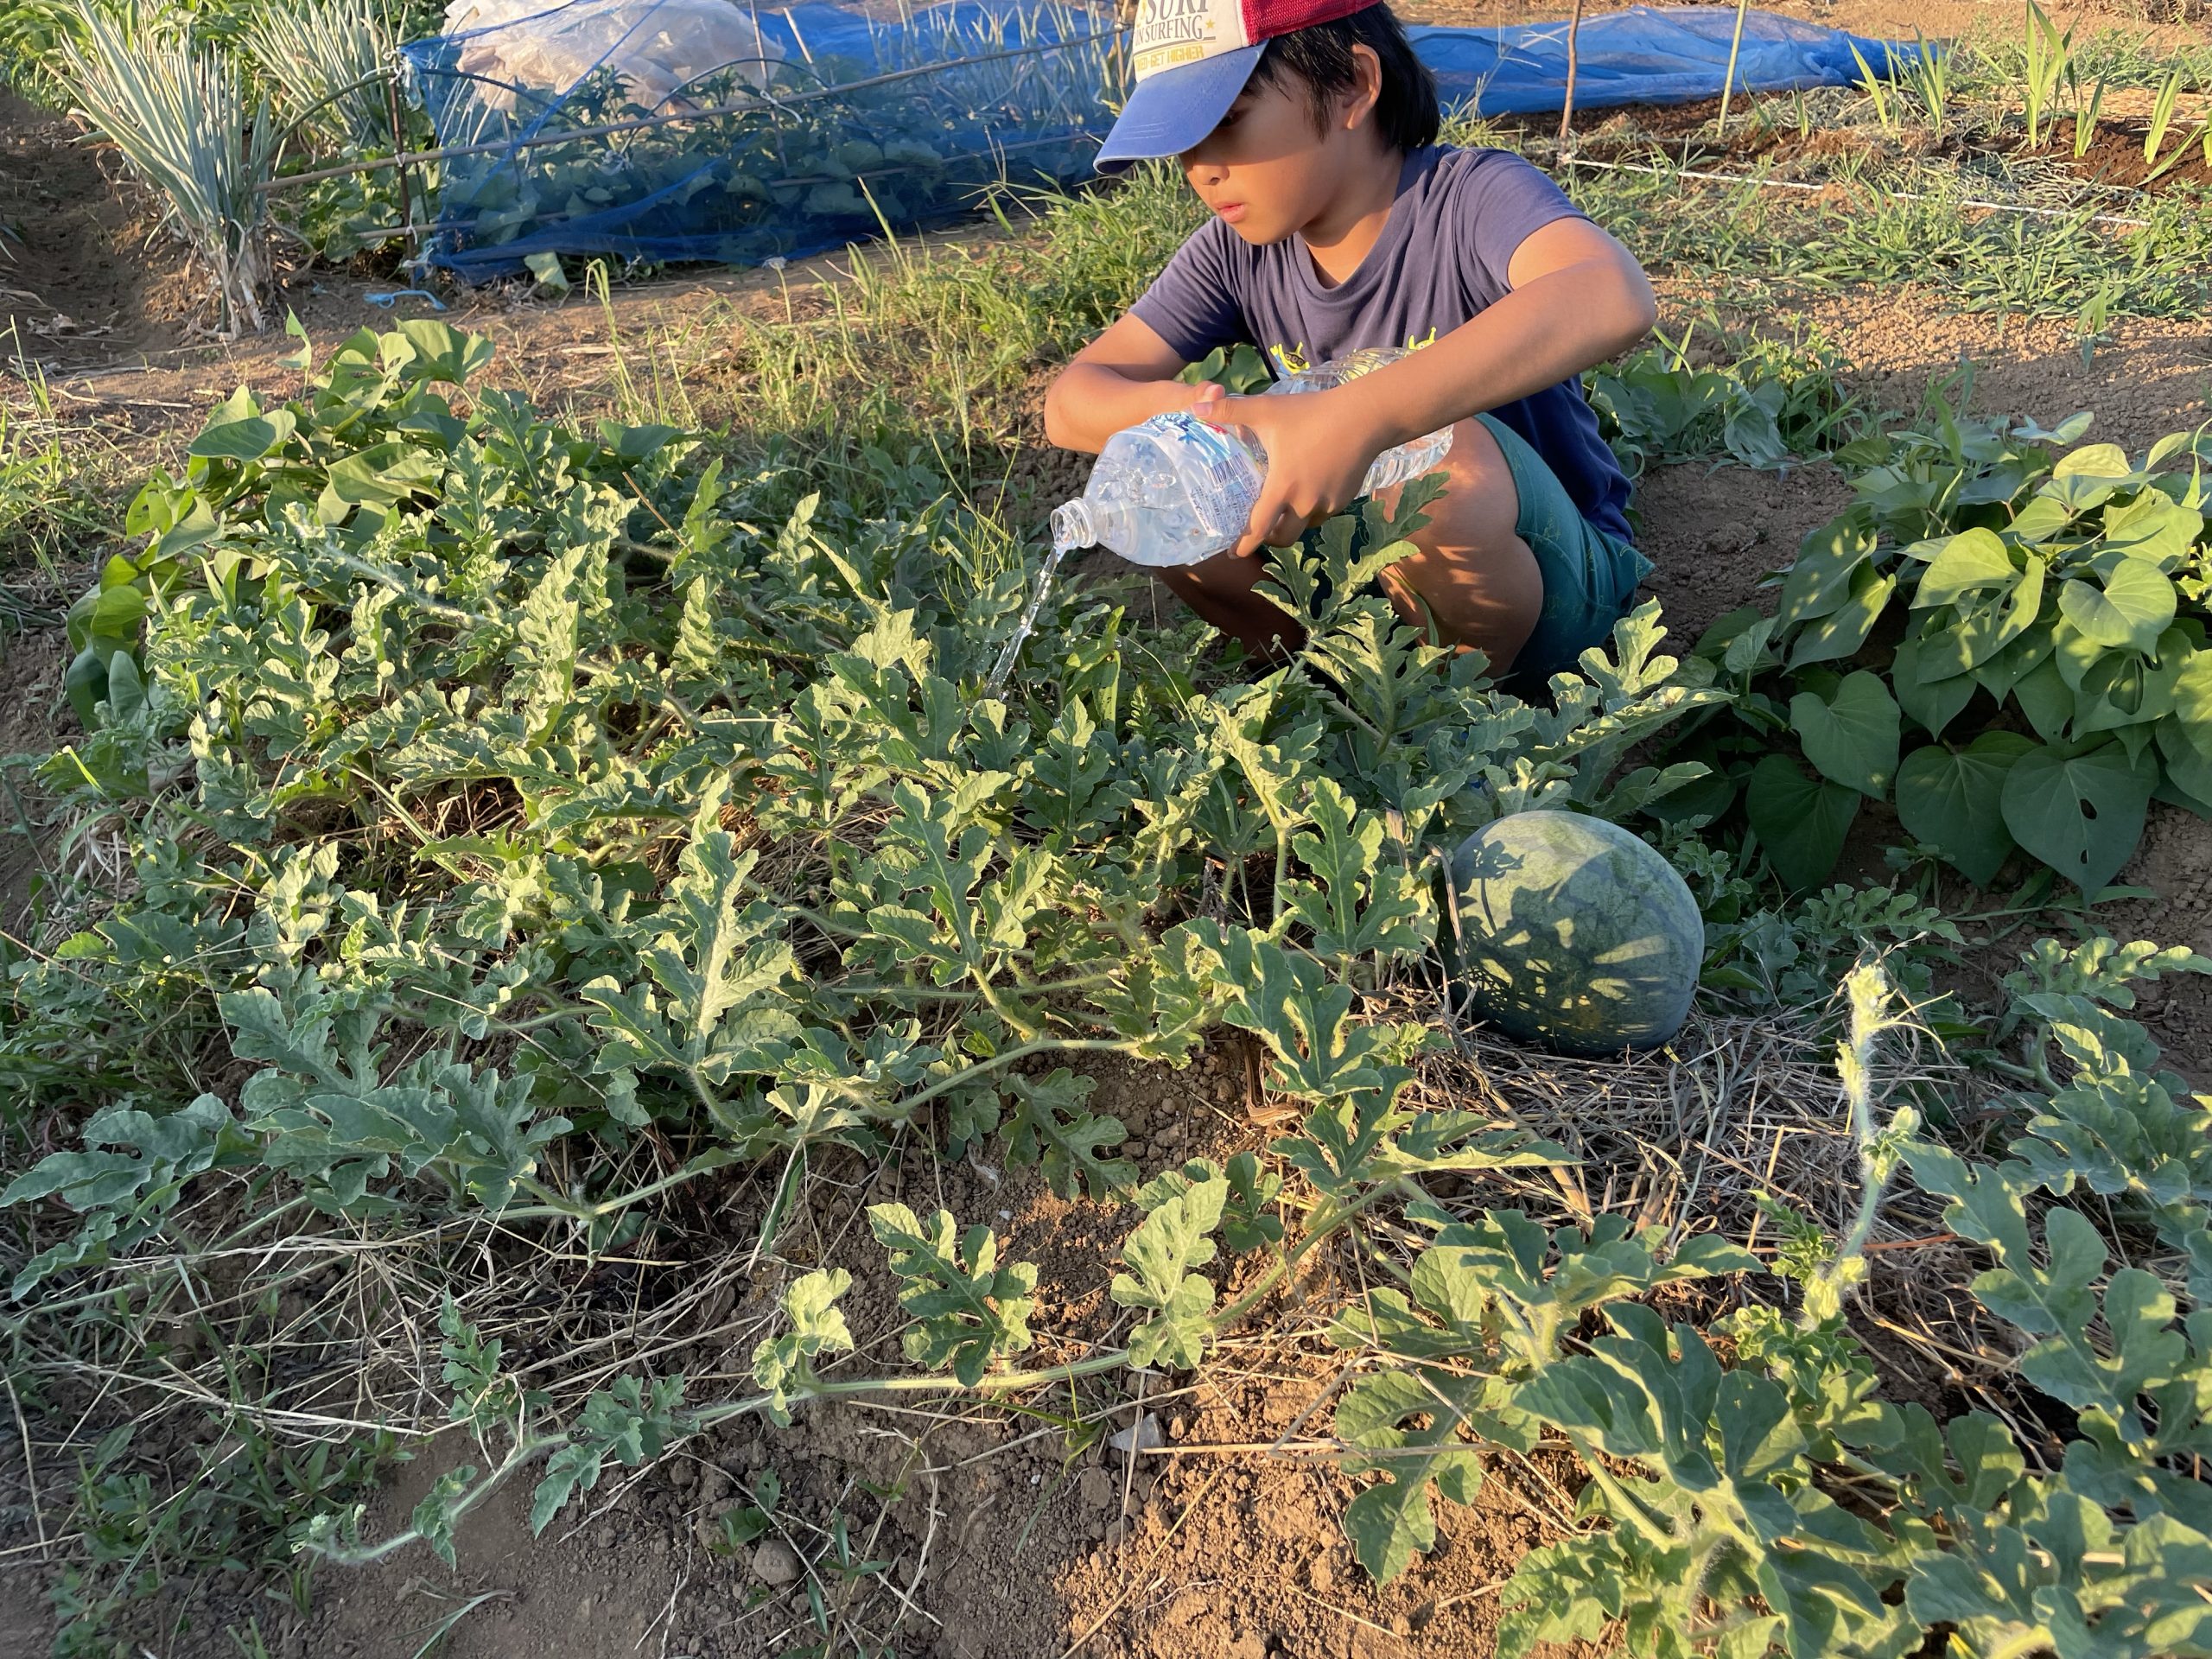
<point>534,825</point>
<point>594,676</point>
<point>1756,1497</point>
<point>2002,636</point>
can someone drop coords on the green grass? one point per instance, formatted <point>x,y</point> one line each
<point>52,503</point>
<point>934,343</point>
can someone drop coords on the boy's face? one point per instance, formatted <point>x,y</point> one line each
<point>1267,168</point>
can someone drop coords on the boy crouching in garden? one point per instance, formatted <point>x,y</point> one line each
<point>1309,128</point>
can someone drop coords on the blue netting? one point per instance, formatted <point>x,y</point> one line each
<point>818,126</point>
<point>1641,56</point>
<point>828,121</point>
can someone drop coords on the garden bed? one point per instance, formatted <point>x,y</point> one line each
<point>942,1523</point>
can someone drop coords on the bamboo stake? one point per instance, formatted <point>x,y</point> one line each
<point>1573,63</point>
<point>398,151</point>
<point>1728,81</point>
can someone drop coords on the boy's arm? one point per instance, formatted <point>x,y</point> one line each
<point>1125,376</point>
<point>1578,298</point>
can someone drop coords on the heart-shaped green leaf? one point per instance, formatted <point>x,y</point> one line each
<point>1933,704</point>
<point>1996,592</point>
<point>2193,699</point>
<point>248,438</point>
<point>1801,820</point>
<point>1971,562</point>
<point>2082,814</point>
<point>1952,801</point>
<point>1819,581</point>
<point>2134,608</point>
<point>2003,671</point>
<point>2188,767</point>
<point>2091,475</point>
<point>2046,699</point>
<point>2154,527</point>
<point>1852,740</point>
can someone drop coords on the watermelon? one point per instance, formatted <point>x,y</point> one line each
<point>1574,933</point>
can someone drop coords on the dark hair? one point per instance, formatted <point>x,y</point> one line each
<point>1406,112</point>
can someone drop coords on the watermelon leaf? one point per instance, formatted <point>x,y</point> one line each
<point>1801,820</point>
<point>2082,814</point>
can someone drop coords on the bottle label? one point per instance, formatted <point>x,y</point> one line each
<point>1219,471</point>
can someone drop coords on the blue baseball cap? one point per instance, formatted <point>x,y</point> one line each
<point>1189,59</point>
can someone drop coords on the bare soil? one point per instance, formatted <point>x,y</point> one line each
<point>83,275</point>
<point>1008,1541</point>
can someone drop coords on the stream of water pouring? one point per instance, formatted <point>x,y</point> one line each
<point>1045,577</point>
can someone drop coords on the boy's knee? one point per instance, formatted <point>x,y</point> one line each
<point>1480,507</point>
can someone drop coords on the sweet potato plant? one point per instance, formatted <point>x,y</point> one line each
<point>2003,635</point>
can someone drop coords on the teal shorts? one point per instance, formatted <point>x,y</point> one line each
<point>1589,575</point>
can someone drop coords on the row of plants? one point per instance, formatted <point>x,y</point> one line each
<point>544,822</point>
<point>804,150</point>
<point>2028,76</point>
<point>211,106</point>
<point>2002,638</point>
<point>1756,1494</point>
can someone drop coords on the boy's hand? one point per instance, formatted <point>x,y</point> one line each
<point>1319,446</point>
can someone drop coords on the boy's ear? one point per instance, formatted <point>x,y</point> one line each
<point>1366,87</point>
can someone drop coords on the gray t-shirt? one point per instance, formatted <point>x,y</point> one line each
<point>1441,260</point>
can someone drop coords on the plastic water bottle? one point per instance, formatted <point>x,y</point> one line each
<point>1392,466</point>
<point>1174,491</point>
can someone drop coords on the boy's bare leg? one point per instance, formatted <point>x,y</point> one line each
<point>1469,569</point>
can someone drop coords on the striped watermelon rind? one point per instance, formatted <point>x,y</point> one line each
<point>1575,934</point>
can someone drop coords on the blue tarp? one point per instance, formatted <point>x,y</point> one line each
<point>822,131</point>
<point>1641,56</point>
<point>824,126</point>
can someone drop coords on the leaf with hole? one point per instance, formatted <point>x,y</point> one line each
<point>2082,815</point>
